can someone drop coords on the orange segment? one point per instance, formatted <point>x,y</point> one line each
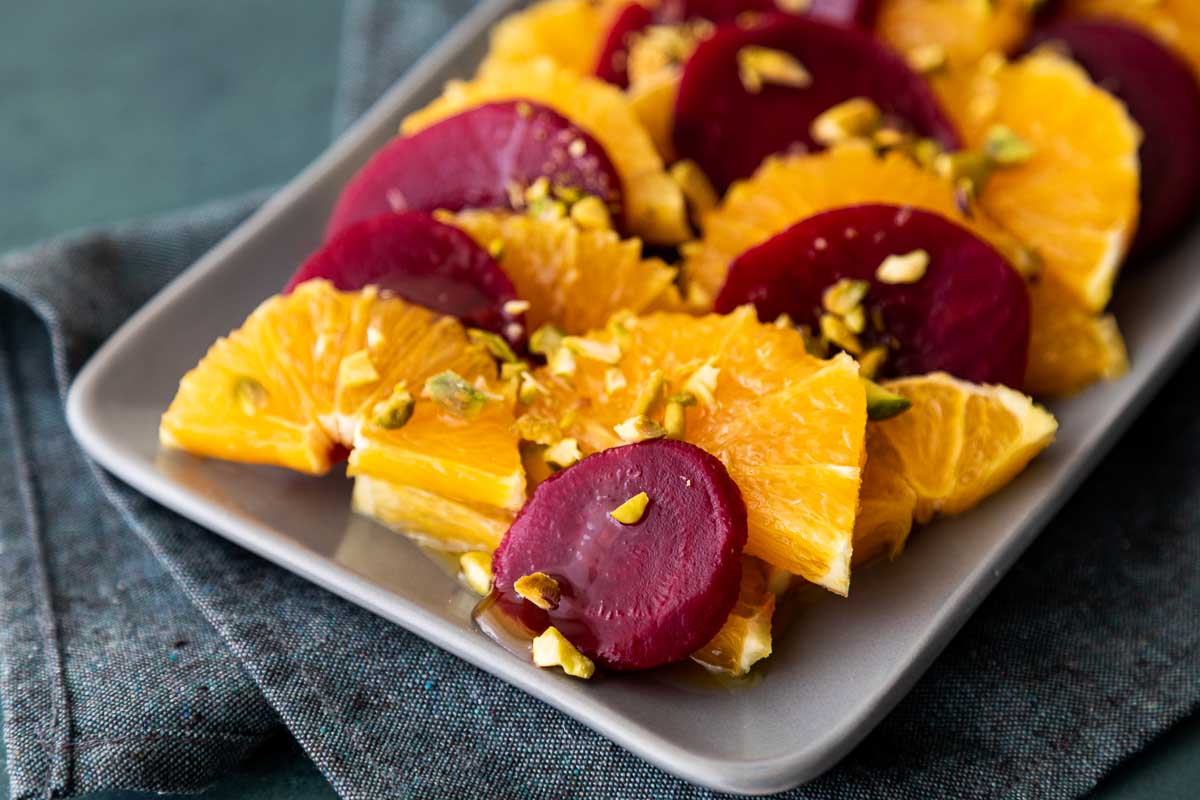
<point>654,206</point>
<point>965,30</point>
<point>1175,22</point>
<point>1075,200</point>
<point>745,638</point>
<point>569,32</point>
<point>431,519</point>
<point>959,443</point>
<point>573,278</point>
<point>788,189</point>
<point>787,426</point>
<point>1069,347</point>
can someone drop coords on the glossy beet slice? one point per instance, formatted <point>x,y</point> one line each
<point>423,261</point>
<point>728,130</point>
<point>633,596</point>
<point>636,17</point>
<point>968,315</point>
<point>1163,97</point>
<point>473,159</point>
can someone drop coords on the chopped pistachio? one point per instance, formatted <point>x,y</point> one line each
<point>974,168</point>
<point>882,404</point>
<point>537,429</point>
<point>630,512</point>
<point>1005,147</point>
<point>513,370</point>
<point>639,429</point>
<point>562,362</point>
<point>563,454</point>
<point>649,394</point>
<point>887,138</point>
<point>698,191</point>
<point>568,418</point>
<point>495,249</point>
<point>905,268</point>
<point>547,209</point>
<point>675,421</point>
<point>685,399</point>
<point>703,382</point>
<point>844,295</point>
<point>590,213</point>
<point>516,307</point>
<point>813,344</point>
<point>357,370</point>
<point>855,319</point>
<point>551,649</point>
<point>761,66</point>
<point>870,362</point>
<point>926,151</point>
<point>538,190</point>
<point>529,389</point>
<point>451,392</point>
<point>604,352</point>
<point>784,321</point>
<point>539,589</point>
<point>834,331</point>
<point>251,396</point>
<point>396,410</point>
<point>546,339</point>
<point>927,59</point>
<point>620,324</point>
<point>851,119</point>
<point>495,345</point>
<point>476,568</point>
<point>614,380</point>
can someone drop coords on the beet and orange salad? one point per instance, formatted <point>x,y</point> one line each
<point>677,307</point>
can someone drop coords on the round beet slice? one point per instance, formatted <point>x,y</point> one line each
<point>473,160</point>
<point>640,595</point>
<point>423,261</point>
<point>636,17</point>
<point>968,315</point>
<point>1162,95</point>
<point>728,130</point>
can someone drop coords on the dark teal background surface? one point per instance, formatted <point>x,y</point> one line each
<point>109,110</point>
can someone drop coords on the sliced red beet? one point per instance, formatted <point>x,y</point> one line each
<point>1162,95</point>
<point>473,159</point>
<point>635,17</point>
<point>729,130</point>
<point>423,261</point>
<point>968,315</point>
<point>633,596</point>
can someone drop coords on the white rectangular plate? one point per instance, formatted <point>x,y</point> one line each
<point>835,673</point>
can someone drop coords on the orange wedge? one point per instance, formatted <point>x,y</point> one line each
<point>956,445</point>
<point>572,277</point>
<point>745,638</point>
<point>1175,22</point>
<point>1070,348</point>
<point>431,519</point>
<point>960,32</point>
<point>569,32</point>
<point>654,207</point>
<point>789,427</point>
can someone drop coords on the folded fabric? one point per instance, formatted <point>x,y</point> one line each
<point>140,651</point>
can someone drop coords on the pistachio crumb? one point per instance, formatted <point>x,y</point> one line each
<point>451,392</point>
<point>516,307</point>
<point>844,295</point>
<point>250,394</point>
<point>513,370</point>
<point>854,118</point>
<point>562,362</point>
<point>537,429</point>
<point>870,362</point>
<point>761,66</point>
<point>675,421</point>
<point>356,370</point>
<point>476,568</point>
<point>698,191</point>
<point>396,410</point>
<point>639,429</point>
<point>631,511</point>
<point>855,319</point>
<point>604,352</point>
<point>547,209</point>
<point>546,340</point>
<point>649,394</point>
<point>538,190</point>
<point>883,404</point>
<point>551,649</point>
<point>539,589</point>
<point>1005,147</point>
<point>495,249</point>
<point>591,214</point>
<point>906,268</point>
<point>927,59</point>
<point>495,345</point>
<point>784,321</point>
<point>614,380</point>
<point>972,168</point>
<point>834,331</point>
<point>529,389</point>
<point>563,454</point>
<point>703,382</point>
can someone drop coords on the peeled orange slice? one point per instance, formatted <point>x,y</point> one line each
<point>431,519</point>
<point>958,443</point>
<point>569,32</point>
<point>572,277</point>
<point>789,427</point>
<point>1070,347</point>
<point>304,369</point>
<point>745,638</point>
<point>654,206</point>
<point>788,189</point>
<point>1175,22</point>
<point>959,31</point>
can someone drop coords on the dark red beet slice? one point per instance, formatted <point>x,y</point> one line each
<point>472,159</point>
<point>1162,95</point>
<point>728,130</point>
<point>633,596</point>
<point>423,261</point>
<point>969,314</point>
<point>636,17</point>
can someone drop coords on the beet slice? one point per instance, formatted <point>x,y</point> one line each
<point>968,315</point>
<point>635,17</point>
<point>423,261</point>
<point>728,130</point>
<point>1162,96</point>
<point>471,160</point>
<point>633,596</point>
